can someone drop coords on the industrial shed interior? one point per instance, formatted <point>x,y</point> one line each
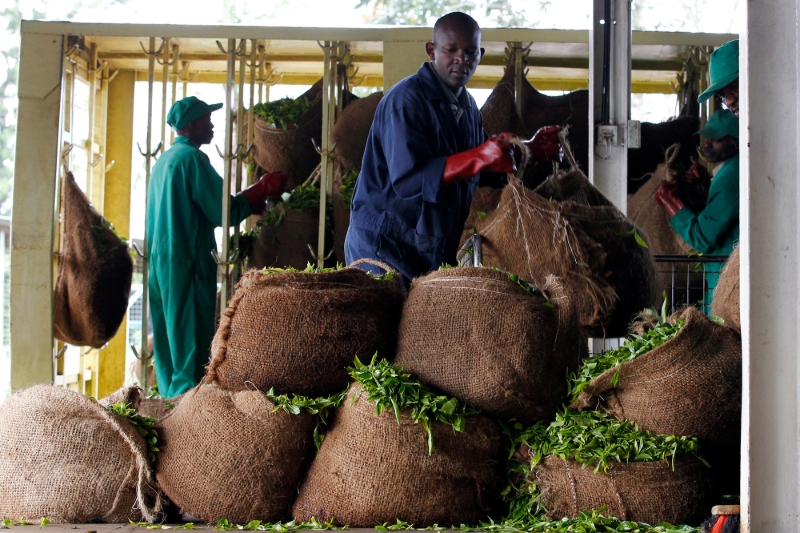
<point>78,87</point>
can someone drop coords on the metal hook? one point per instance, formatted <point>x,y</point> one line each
<point>155,152</point>
<point>72,50</point>
<point>111,164</point>
<point>144,357</point>
<point>256,64</point>
<point>62,351</point>
<point>157,52</point>
<point>99,71</point>
<point>246,153</point>
<point>316,257</point>
<point>97,160</point>
<point>232,257</point>
<point>236,51</point>
<point>241,49</point>
<point>269,81</point>
<point>319,149</point>
<point>232,156</point>
<point>112,76</point>
<point>137,250</point>
<point>64,153</point>
<point>177,50</point>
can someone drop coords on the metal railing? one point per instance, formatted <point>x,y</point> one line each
<point>685,278</point>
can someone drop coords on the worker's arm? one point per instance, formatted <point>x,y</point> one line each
<point>206,191</point>
<point>706,230</point>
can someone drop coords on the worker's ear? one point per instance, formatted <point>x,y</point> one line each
<point>429,49</point>
<point>483,51</point>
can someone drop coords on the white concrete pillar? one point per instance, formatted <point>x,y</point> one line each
<point>608,161</point>
<point>770,254</point>
<point>36,167</point>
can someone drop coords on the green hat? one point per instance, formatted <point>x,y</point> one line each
<point>183,112</point>
<point>723,68</point>
<point>721,124</point>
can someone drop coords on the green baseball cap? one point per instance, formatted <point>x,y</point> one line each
<point>184,111</point>
<point>721,124</point>
<point>723,68</point>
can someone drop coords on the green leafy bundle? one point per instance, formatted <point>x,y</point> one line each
<point>586,522</point>
<point>320,407</point>
<point>100,236</point>
<point>347,187</point>
<point>277,527</point>
<point>311,269</point>
<point>633,347</point>
<point>302,198</point>
<point>145,426</point>
<point>283,113</point>
<point>389,387</point>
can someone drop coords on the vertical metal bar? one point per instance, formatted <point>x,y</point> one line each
<point>164,81</point>
<point>251,116</point>
<point>327,79</point>
<point>226,178</point>
<point>239,161</point>
<point>174,80</point>
<point>92,79</point>
<point>518,74</point>
<point>151,78</point>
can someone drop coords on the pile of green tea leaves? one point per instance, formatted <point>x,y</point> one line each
<point>347,187</point>
<point>100,236</point>
<point>283,113</point>
<point>586,522</point>
<point>320,407</point>
<point>633,347</point>
<point>311,269</point>
<point>302,198</point>
<point>144,425</point>
<point>254,525</point>
<point>389,387</point>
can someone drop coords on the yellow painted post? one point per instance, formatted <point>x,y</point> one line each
<point>117,209</point>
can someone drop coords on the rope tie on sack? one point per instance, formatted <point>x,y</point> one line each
<point>622,508</point>
<point>663,172</point>
<point>572,485</point>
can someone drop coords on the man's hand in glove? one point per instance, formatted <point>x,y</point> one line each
<point>545,144</point>
<point>696,173</point>
<point>495,155</point>
<point>667,197</point>
<point>270,185</point>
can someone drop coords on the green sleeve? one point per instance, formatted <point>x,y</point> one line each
<point>707,230</point>
<point>206,192</point>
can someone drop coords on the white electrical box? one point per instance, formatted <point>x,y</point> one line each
<point>607,135</point>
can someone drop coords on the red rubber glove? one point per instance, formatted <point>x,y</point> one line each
<point>495,155</point>
<point>545,144</point>
<point>666,197</point>
<point>270,185</point>
<point>696,172</point>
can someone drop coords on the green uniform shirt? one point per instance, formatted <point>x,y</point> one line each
<point>715,229</point>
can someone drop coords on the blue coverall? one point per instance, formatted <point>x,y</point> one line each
<point>401,213</point>
<point>184,205</point>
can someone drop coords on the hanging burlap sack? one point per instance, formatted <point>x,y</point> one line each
<point>475,334</point>
<point>231,455</point>
<point>352,129</point>
<point>726,296</point>
<point>371,469</point>
<point>528,235</point>
<point>65,457</point>
<point>485,200</point>
<point>297,332</point>
<point>628,266</point>
<point>94,274</point>
<point>641,492</point>
<point>690,385</point>
<point>286,245</point>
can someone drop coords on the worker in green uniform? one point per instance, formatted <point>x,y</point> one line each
<point>715,229</point>
<point>184,205</point>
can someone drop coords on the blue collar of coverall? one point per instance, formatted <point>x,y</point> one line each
<point>436,88</point>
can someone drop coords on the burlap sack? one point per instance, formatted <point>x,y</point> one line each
<point>94,274</point>
<point>475,334</point>
<point>726,296</point>
<point>371,470</point>
<point>641,492</point>
<point>158,408</point>
<point>484,201</point>
<point>690,385</point>
<point>230,455</point>
<point>352,129</point>
<point>529,235</point>
<point>298,332</point>
<point>65,457</point>
<point>287,244</point>
<point>291,151</point>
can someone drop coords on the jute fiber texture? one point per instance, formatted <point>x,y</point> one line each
<point>690,385</point>
<point>158,408</point>
<point>287,244</point>
<point>231,455</point>
<point>726,296</point>
<point>484,201</point>
<point>371,469</point>
<point>298,332</point>
<point>352,129</point>
<point>649,492</point>
<point>530,236</point>
<point>65,457</point>
<point>94,274</point>
<point>475,334</point>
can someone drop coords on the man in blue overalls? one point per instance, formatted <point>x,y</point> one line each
<point>426,154</point>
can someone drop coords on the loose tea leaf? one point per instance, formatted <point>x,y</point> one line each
<point>144,425</point>
<point>320,407</point>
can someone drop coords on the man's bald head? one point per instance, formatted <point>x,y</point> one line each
<point>456,49</point>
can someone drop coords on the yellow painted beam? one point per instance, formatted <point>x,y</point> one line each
<point>110,370</point>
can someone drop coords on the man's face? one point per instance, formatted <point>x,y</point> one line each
<point>730,97</point>
<point>720,149</point>
<point>455,55</point>
<point>204,129</point>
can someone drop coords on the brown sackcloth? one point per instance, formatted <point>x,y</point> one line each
<point>690,385</point>
<point>529,235</point>
<point>298,332</point>
<point>94,274</point>
<point>371,470</point>
<point>65,457</point>
<point>641,492</point>
<point>352,129</point>
<point>628,267</point>
<point>287,244</point>
<point>726,296</point>
<point>475,334</point>
<point>226,454</point>
<point>158,408</point>
<point>484,201</point>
